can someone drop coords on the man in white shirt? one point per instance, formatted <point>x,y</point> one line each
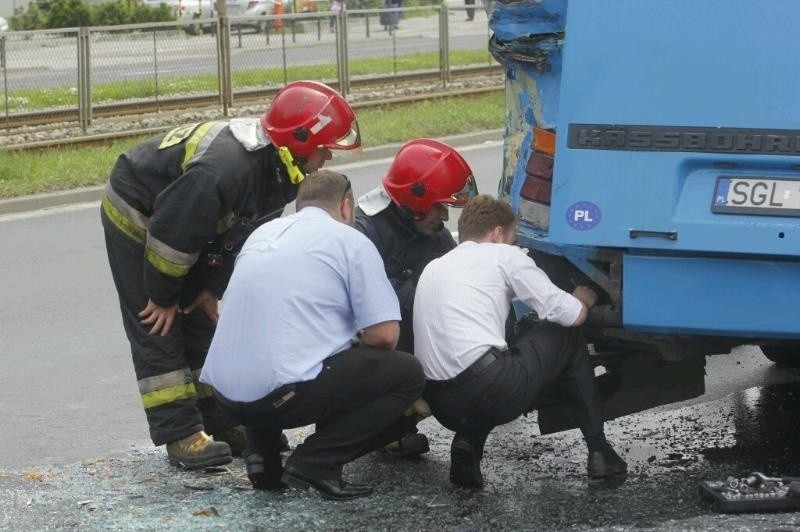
<point>284,355</point>
<point>475,379</point>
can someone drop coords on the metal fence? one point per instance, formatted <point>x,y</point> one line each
<point>70,75</point>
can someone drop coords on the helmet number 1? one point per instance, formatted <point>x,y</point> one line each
<point>322,121</point>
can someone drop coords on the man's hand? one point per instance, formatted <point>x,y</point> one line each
<point>586,295</point>
<point>208,303</point>
<point>160,318</point>
<point>588,298</point>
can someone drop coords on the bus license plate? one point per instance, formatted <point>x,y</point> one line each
<point>755,195</point>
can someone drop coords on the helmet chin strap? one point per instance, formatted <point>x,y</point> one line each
<point>296,175</point>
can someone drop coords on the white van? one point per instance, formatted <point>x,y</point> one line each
<point>188,10</point>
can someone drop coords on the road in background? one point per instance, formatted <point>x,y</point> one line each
<point>54,64</point>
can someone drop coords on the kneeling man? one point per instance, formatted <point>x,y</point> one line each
<point>475,379</point>
<point>306,335</point>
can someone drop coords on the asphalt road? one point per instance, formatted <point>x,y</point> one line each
<point>75,452</point>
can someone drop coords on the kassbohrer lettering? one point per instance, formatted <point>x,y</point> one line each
<point>677,138</point>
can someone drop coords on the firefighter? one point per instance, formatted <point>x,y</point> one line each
<point>176,210</point>
<point>404,218</point>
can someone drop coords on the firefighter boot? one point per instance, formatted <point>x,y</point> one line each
<point>414,444</point>
<point>235,438</point>
<point>409,446</point>
<point>197,451</point>
<point>264,472</point>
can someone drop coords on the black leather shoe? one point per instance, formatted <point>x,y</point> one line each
<point>334,489</point>
<point>605,462</point>
<point>465,463</point>
<point>263,476</point>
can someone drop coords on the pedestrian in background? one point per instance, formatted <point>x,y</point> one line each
<point>470,10</point>
<point>176,210</point>
<point>307,336</point>
<point>390,20</point>
<point>476,378</point>
<point>337,6</point>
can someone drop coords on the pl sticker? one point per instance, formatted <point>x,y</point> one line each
<point>583,215</point>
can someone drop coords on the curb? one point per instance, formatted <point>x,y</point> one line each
<point>82,195</point>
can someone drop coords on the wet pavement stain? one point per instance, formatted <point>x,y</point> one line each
<point>766,431</point>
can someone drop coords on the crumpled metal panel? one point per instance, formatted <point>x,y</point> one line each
<point>512,20</point>
<point>528,40</point>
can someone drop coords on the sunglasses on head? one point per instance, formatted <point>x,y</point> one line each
<point>347,187</point>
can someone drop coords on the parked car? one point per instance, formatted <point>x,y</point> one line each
<point>188,10</point>
<point>250,8</point>
<point>3,24</point>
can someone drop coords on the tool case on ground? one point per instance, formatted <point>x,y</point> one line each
<point>754,493</point>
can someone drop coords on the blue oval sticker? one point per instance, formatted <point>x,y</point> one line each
<point>583,215</point>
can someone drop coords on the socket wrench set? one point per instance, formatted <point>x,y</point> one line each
<point>753,493</point>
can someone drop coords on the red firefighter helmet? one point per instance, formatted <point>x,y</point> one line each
<point>426,172</point>
<point>306,115</point>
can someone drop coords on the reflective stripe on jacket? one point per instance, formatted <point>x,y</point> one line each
<point>176,194</point>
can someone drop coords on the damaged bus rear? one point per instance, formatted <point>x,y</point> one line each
<point>652,151</point>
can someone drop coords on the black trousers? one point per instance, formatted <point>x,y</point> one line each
<point>543,362</point>
<point>166,367</point>
<point>357,403</point>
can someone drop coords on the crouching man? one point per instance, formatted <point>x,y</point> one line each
<point>306,336</point>
<point>475,379</point>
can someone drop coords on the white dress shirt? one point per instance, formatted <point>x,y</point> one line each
<point>302,287</point>
<point>463,299</point>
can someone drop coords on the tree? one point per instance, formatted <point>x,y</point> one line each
<point>144,13</point>
<point>32,19</point>
<point>110,13</point>
<point>68,14</point>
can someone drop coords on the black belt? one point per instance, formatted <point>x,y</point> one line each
<point>472,371</point>
<point>272,401</point>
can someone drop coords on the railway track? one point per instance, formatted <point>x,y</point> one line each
<point>253,97</point>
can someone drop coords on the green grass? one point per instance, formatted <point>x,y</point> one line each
<point>175,86</point>
<point>67,168</point>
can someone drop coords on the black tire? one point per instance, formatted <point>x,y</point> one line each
<point>192,29</point>
<point>785,355</point>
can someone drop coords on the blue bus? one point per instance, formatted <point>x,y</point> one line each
<point>652,151</point>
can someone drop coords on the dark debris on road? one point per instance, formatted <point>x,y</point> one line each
<point>533,482</point>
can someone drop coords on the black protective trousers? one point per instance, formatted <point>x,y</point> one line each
<point>544,362</point>
<point>166,367</point>
<point>357,403</point>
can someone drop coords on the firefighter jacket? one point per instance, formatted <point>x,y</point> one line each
<point>405,253</point>
<point>183,195</point>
